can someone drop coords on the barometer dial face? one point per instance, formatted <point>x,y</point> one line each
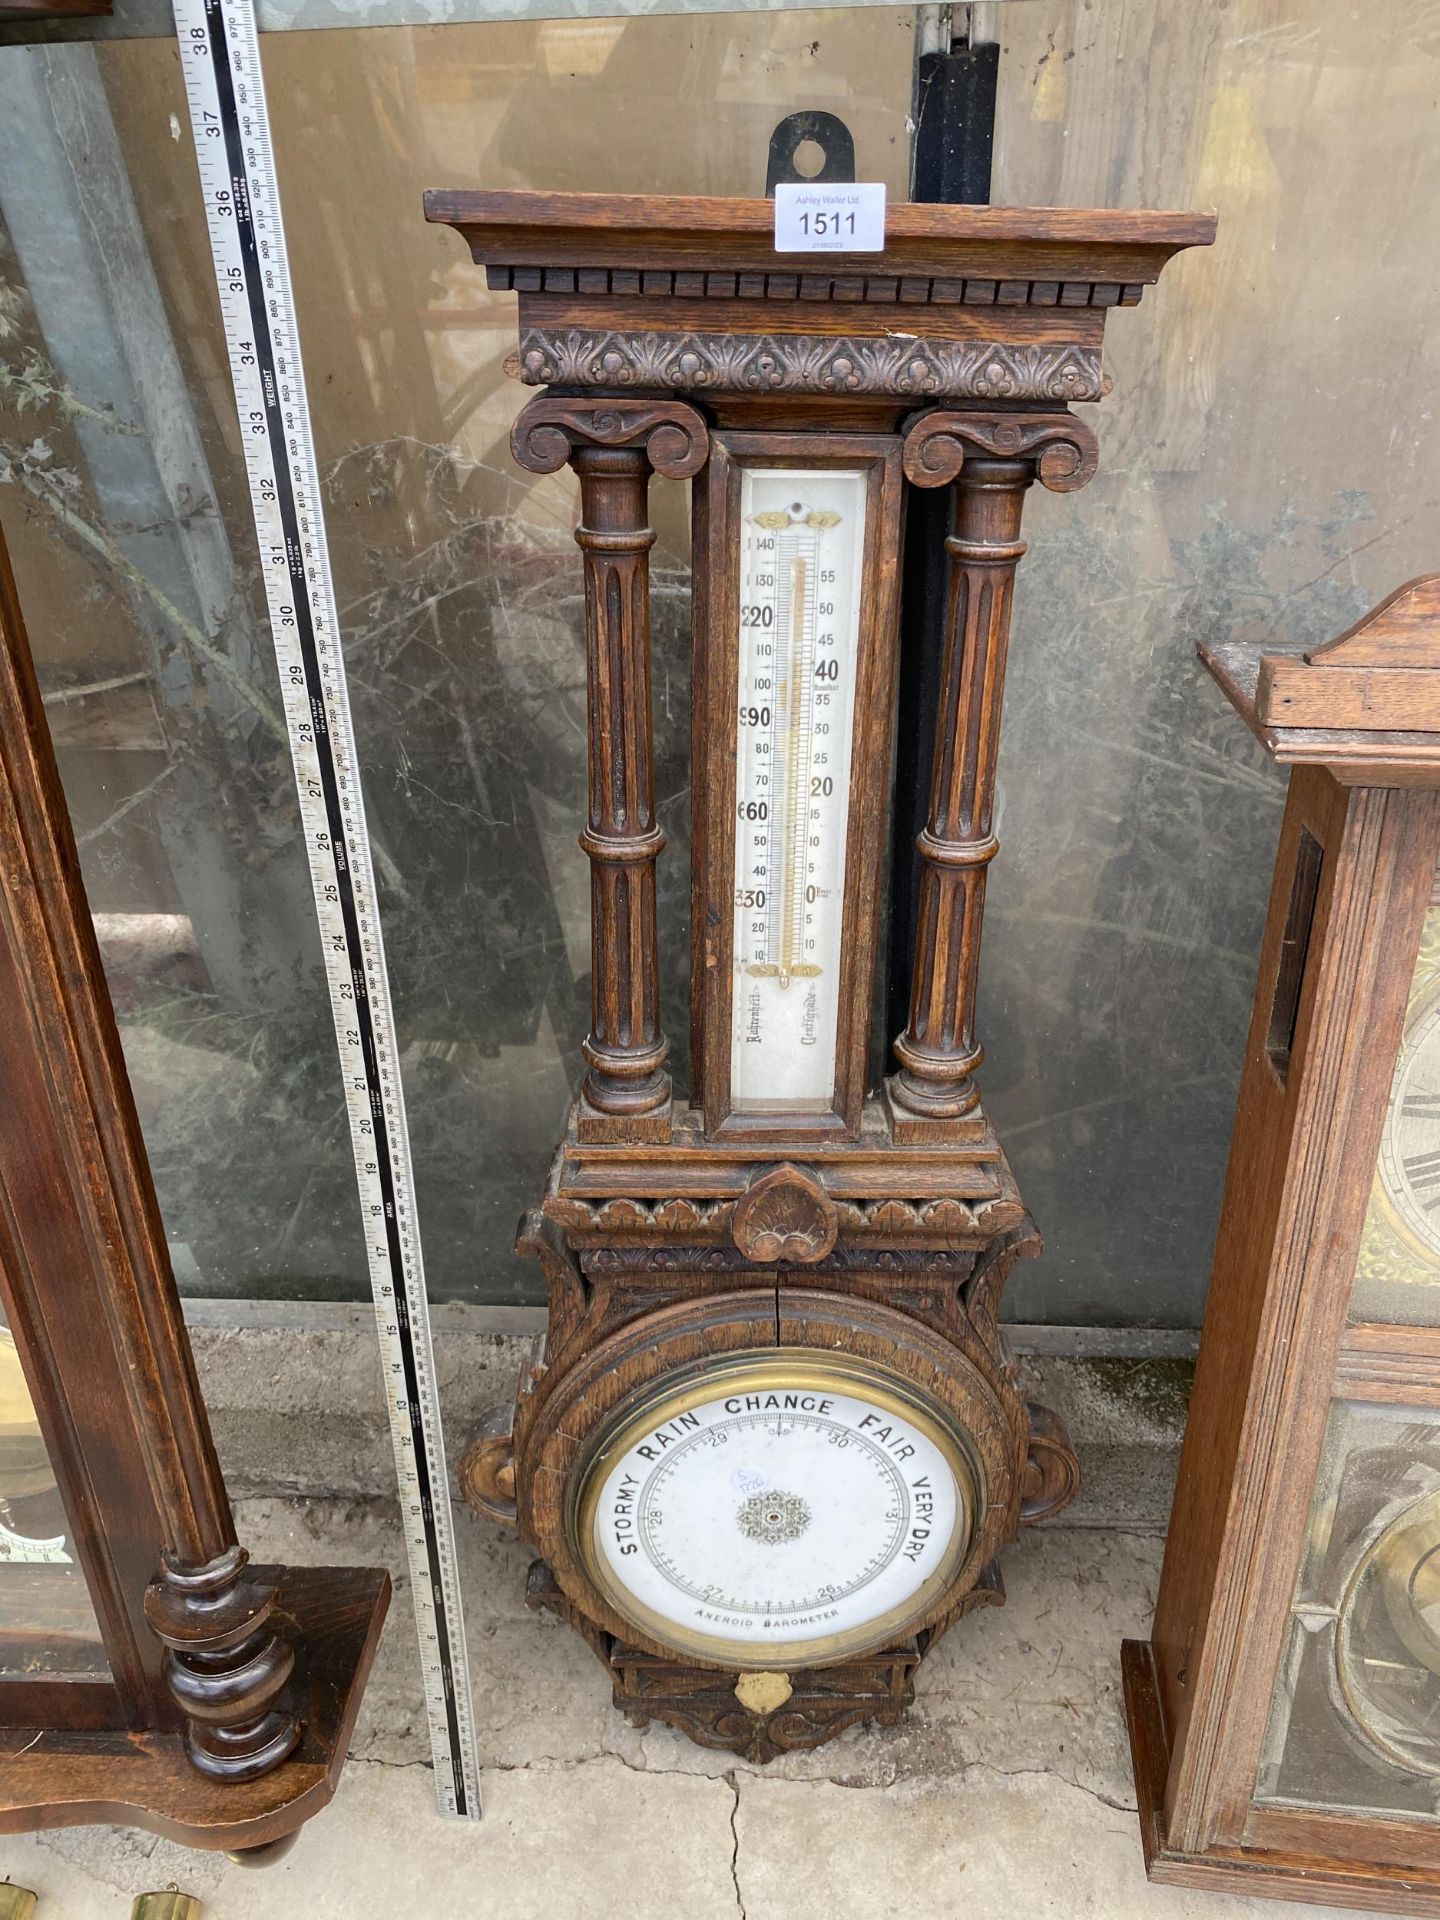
<point>802,548</point>
<point>778,1512</point>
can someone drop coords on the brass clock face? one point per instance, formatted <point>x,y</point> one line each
<point>777,1510</point>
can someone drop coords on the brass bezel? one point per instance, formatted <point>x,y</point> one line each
<point>784,1369</point>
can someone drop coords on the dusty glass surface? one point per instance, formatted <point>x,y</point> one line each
<point>1397,1270</point>
<point>47,1623</point>
<point>1355,1721</point>
<point>1264,474</point>
<point>458,582</point>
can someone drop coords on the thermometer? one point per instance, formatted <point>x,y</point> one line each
<point>803,533</point>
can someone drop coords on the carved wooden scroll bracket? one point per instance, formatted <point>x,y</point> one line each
<point>671,435</point>
<point>1063,450</point>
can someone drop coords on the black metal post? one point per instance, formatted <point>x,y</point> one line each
<point>955,89</point>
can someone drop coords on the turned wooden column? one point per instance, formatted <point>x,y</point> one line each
<point>990,459</point>
<point>613,446</point>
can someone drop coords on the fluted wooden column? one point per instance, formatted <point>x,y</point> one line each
<point>613,445</point>
<point>991,459</point>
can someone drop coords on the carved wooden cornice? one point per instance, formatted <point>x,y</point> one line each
<point>873,289</point>
<point>651,291</point>
<point>901,366</point>
<point>668,244</point>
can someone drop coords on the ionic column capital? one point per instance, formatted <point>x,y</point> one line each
<point>1061,451</point>
<point>672,436</point>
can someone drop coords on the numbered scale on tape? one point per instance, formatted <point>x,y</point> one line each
<point>773,1444</point>
<point>225,88</point>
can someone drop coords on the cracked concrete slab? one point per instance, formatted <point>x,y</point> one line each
<point>1009,1785</point>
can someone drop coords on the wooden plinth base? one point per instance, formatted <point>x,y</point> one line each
<point>332,1616</point>
<point>1253,1871</point>
<point>729,1711</point>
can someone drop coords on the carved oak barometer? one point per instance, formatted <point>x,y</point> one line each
<point>773,1442</point>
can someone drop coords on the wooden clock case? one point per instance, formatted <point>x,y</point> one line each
<point>221,1709</point>
<point>670,337</point>
<point>1358,724</point>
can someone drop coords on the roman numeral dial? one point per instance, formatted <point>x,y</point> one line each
<point>1409,1169</point>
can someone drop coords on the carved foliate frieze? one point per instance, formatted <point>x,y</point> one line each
<point>620,1262</point>
<point>960,1222</point>
<point>898,365</point>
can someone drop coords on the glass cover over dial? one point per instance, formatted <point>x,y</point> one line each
<point>1397,1272</point>
<point>1410,1151</point>
<point>802,546</point>
<point>779,1510</point>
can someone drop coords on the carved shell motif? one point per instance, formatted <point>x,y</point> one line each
<point>784,1215</point>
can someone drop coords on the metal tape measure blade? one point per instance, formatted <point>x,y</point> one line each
<point>224,86</point>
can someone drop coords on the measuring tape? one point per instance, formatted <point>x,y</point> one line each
<point>220,54</point>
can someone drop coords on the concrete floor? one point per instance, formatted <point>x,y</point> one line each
<point>1007,1794</point>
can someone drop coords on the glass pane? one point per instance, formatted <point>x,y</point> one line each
<point>458,581</point>
<point>1397,1273</point>
<point>1233,503</point>
<point>1356,1717</point>
<point>47,1624</point>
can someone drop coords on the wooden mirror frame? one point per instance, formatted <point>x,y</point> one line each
<point>233,1687</point>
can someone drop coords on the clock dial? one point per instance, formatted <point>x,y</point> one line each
<point>782,1511</point>
<point>803,536</point>
<point>1397,1271</point>
<point>1410,1152</point>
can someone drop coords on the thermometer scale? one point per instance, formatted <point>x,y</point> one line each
<point>799,626</point>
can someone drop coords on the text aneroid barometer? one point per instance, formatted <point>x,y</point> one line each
<point>775,1442</point>
<point>778,1510</point>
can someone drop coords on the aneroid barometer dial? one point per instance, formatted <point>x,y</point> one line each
<point>777,1510</point>
<point>802,547</point>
